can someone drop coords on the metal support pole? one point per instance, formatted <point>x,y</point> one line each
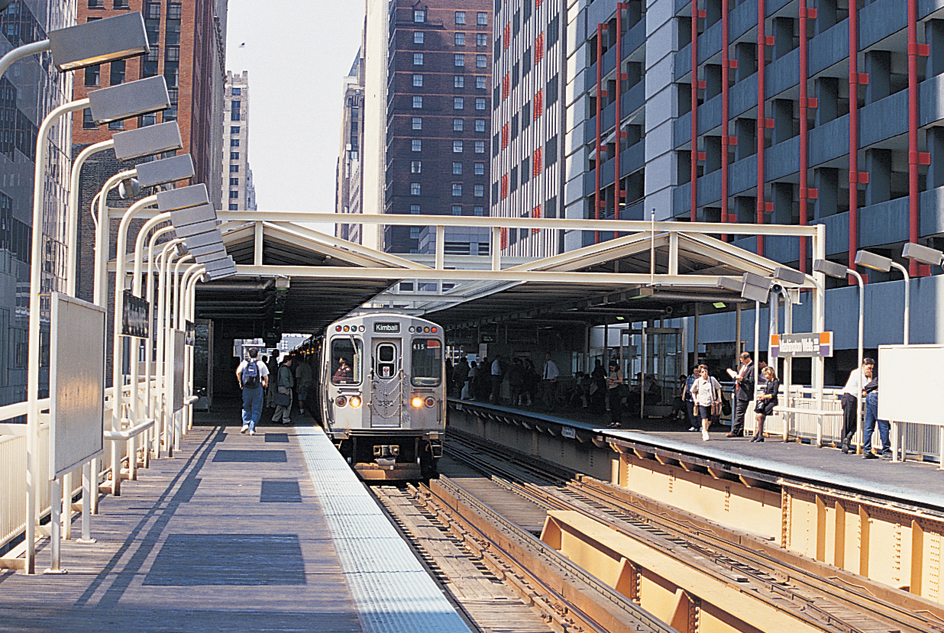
<point>858,278</point>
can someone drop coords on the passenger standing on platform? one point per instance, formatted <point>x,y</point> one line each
<point>743,393</point>
<point>531,380</point>
<point>598,387</point>
<point>689,400</point>
<point>516,382</point>
<point>766,402</point>
<point>497,376</point>
<point>614,384</point>
<point>870,393</point>
<point>304,379</point>
<point>850,394</point>
<point>705,396</point>
<point>549,381</point>
<point>253,376</point>
<point>273,366</point>
<point>468,391</point>
<point>461,374</point>
<point>285,381</point>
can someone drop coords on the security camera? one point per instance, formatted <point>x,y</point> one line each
<point>128,188</point>
<point>776,288</point>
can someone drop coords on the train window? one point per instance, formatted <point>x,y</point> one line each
<point>345,361</point>
<point>427,362</point>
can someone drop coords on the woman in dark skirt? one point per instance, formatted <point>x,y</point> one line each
<point>766,402</point>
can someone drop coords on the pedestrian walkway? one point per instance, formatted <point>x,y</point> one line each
<point>233,534</point>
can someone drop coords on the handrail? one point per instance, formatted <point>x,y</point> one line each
<point>127,434</point>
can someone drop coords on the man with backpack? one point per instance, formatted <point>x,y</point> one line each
<point>253,376</point>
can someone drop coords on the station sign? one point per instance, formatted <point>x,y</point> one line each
<point>386,328</point>
<point>808,345</point>
<point>134,316</point>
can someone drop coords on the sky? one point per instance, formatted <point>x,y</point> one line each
<point>297,53</point>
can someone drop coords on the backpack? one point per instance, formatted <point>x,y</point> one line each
<point>251,374</point>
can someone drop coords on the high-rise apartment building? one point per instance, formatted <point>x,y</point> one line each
<point>187,41</point>
<point>29,90</point>
<point>349,174</point>
<point>427,106</point>
<point>527,126</point>
<point>238,190</point>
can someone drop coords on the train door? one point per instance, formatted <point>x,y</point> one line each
<point>386,400</point>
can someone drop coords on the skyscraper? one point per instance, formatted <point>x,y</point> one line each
<point>238,192</point>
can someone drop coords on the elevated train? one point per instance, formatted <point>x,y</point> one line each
<point>382,393</point>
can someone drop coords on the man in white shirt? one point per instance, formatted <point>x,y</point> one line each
<point>849,401</point>
<point>549,381</point>
<point>496,373</point>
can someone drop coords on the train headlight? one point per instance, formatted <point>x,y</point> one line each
<point>340,401</point>
<point>355,401</point>
<point>416,402</point>
<point>430,402</point>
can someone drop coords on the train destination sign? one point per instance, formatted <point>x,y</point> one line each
<point>808,345</point>
<point>387,328</point>
<point>134,316</point>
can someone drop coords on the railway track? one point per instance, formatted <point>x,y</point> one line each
<point>817,596</point>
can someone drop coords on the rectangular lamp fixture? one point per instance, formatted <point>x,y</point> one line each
<point>128,100</point>
<point>98,41</point>
<point>146,141</point>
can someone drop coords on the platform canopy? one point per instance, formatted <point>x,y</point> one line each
<point>295,279</point>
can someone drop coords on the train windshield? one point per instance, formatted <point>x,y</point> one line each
<point>427,362</point>
<point>346,362</point>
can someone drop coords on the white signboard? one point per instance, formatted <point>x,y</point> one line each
<point>76,383</point>
<point>909,376</point>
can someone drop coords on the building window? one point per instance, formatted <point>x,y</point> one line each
<point>526,115</point>
<point>457,169</point>
<point>538,104</point>
<point>117,73</point>
<point>414,233</point>
<point>234,182</point>
<point>536,164</point>
<point>417,59</point>
<point>233,194</point>
<point>526,63</point>
<point>234,129</point>
<point>525,169</point>
<point>479,169</point>
<point>552,91</point>
<point>481,18</point>
<point>234,111</point>
<point>460,17</point>
<point>553,31</point>
<point>234,142</point>
<point>478,211</point>
<point>456,209</point>
<point>234,169</point>
<point>172,54</point>
<point>458,103</point>
<point>96,4</point>
<point>417,81</point>
<point>480,103</point>
<point>513,183</point>
<point>459,60</point>
<point>457,147</point>
<point>234,155</point>
<point>504,186</point>
<point>236,92</point>
<point>456,189</point>
<point>539,48</point>
<point>92,75</point>
<point>419,16</point>
<point>481,39</point>
<point>416,166</point>
<point>504,136</point>
<point>550,151</point>
<point>506,86</point>
<point>233,207</point>
<point>460,39</point>
<point>479,191</point>
<point>480,82</point>
<point>480,147</point>
<point>418,37</point>
<point>417,102</point>
<point>480,125</point>
<point>458,125</point>
<point>417,123</point>
<point>174,10</point>
<point>514,127</point>
<point>417,145</point>
<point>414,188</point>
<point>481,61</point>
<point>414,209</point>
<point>458,81</point>
<point>88,122</point>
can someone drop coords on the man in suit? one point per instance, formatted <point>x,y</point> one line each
<point>743,393</point>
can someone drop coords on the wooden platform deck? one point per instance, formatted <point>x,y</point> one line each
<point>226,536</point>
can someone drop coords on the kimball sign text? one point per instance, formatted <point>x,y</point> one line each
<point>810,345</point>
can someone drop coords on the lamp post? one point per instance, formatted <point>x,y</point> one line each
<point>839,271</point>
<point>885,264</point>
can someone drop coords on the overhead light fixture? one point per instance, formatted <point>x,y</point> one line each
<point>830,269</point>
<point>756,288</point>
<point>203,239</point>
<point>210,251</point>
<point>147,140</point>
<point>719,305</point>
<point>873,261</point>
<point>922,254</point>
<point>129,188</point>
<point>730,283</point>
<point>183,198</point>
<point>189,230</point>
<point>97,41</point>
<point>159,172</point>
<point>789,275</point>
<point>128,100</point>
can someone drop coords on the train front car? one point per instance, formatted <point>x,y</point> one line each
<point>383,394</point>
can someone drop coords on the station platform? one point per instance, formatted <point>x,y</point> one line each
<point>235,533</point>
<point>914,483</point>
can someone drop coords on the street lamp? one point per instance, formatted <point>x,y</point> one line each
<point>839,271</point>
<point>922,254</point>
<point>885,264</point>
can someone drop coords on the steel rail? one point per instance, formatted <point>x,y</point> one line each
<point>737,552</point>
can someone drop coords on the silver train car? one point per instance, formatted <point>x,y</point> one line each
<point>383,394</point>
